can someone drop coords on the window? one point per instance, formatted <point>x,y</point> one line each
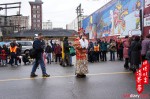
<point>28,44</point>
<point>38,25</point>
<point>34,21</point>
<point>38,11</point>
<point>34,7</point>
<point>38,16</point>
<point>22,43</point>
<point>34,15</point>
<point>38,7</point>
<point>38,20</point>
<point>25,43</point>
<point>34,11</point>
<point>34,25</point>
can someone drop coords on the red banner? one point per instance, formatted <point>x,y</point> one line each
<point>142,77</point>
<point>139,81</point>
<point>145,69</point>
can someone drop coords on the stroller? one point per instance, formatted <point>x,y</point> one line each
<point>26,59</point>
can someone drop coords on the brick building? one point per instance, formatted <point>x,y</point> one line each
<point>36,15</point>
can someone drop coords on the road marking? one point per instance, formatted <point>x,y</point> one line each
<point>65,76</point>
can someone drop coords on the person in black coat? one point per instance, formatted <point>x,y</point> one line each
<point>38,46</point>
<point>66,51</point>
<point>91,52</point>
<point>120,51</point>
<point>19,48</point>
<point>25,59</point>
<point>135,53</point>
<point>48,51</point>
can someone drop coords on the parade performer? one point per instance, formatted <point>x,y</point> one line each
<point>81,45</point>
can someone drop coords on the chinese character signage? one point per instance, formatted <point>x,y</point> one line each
<point>142,77</point>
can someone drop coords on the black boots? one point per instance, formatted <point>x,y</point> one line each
<point>33,75</point>
<point>81,76</point>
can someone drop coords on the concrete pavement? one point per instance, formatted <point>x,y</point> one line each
<point>106,80</point>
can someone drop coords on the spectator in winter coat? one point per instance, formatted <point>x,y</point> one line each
<point>96,52</point>
<point>112,49</point>
<point>135,53</point>
<point>100,52</point>
<point>38,46</point>
<point>126,46</point>
<point>7,52</point>
<point>13,53</point>
<point>71,53</point>
<point>3,57</point>
<point>91,52</point>
<point>120,49</point>
<point>19,48</point>
<point>48,51</point>
<point>104,49</point>
<point>53,47</point>
<point>66,51</point>
<point>145,46</point>
<point>57,51</point>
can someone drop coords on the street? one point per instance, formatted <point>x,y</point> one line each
<point>106,80</point>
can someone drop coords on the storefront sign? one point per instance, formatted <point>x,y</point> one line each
<point>147,21</point>
<point>147,3</point>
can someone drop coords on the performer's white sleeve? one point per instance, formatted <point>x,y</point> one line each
<point>82,43</point>
<point>86,43</point>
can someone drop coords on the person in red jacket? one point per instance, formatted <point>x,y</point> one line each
<point>126,46</point>
<point>57,51</point>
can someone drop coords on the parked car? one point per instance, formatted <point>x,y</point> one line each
<point>26,45</point>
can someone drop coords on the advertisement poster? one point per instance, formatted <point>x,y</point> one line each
<point>119,17</point>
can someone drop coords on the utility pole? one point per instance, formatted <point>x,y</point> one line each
<point>79,16</point>
<point>5,26</point>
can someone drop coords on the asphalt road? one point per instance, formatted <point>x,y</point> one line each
<point>106,80</point>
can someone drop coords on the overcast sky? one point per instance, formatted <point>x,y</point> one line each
<point>60,12</point>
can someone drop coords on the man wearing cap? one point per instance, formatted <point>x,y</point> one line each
<point>81,45</point>
<point>38,46</point>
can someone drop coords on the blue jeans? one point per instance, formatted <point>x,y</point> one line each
<point>112,55</point>
<point>49,57</point>
<point>71,60</point>
<point>42,64</point>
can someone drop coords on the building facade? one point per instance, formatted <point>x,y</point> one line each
<point>14,23</point>
<point>36,15</point>
<point>47,25</point>
<point>20,22</point>
<point>74,24</point>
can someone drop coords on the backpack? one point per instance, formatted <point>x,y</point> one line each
<point>72,51</point>
<point>32,53</point>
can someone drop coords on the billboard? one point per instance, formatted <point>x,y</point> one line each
<point>89,24</point>
<point>118,17</point>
